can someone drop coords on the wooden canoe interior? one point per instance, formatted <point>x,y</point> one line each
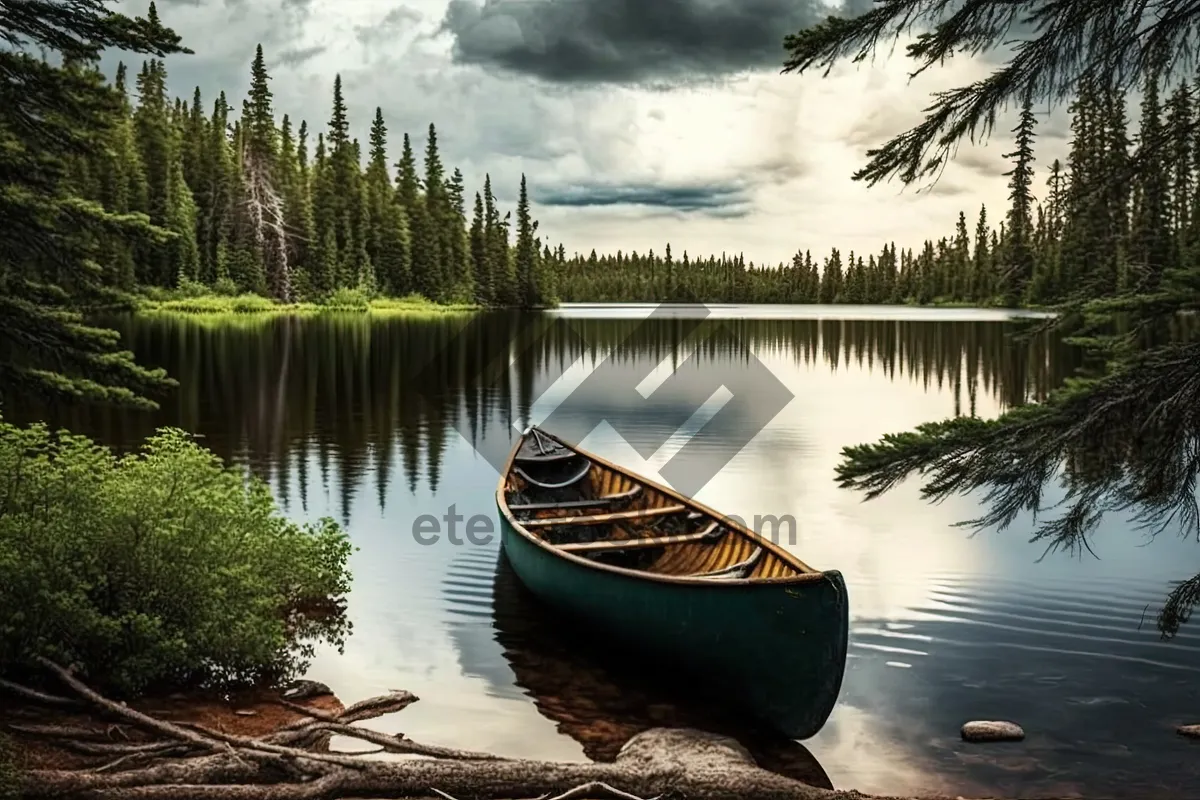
<point>612,518</point>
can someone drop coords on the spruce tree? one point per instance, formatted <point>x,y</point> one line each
<point>460,268</point>
<point>479,256</point>
<point>430,245</point>
<point>528,293</point>
<point>51,240</point>
<point>1151,244</point>
<point>407,183</point>
<point>154,137</point>
<point>1019,252</point>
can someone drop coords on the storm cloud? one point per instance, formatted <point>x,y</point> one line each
<point>630,41</point>
<point>295,56</point>
<point>720,200</point>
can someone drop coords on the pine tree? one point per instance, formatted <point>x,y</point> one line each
<point>1019,250</point>
<point>153,135</point>
<point>260,125</point>
<point>51,239</point>
<point>407,184</point>
<point>1151,237</point>
<point>431,221</point>
<point>461,271</point>
<point>325,266</point>
<point>181,221</point>
<point>479,256</point>
<point>1180,121</point>
<point>499,267</point>
<point>528,292</point>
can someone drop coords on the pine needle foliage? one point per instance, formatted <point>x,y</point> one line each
<point>1053,45</point>
<point>1124,436</point>
<point>53,242</point>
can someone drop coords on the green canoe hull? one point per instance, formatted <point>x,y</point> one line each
<point>776,651</point>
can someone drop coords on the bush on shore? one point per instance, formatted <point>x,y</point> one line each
<point>157,569</point>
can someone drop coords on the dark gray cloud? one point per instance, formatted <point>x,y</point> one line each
<point>629,41</point>
<point>717,200</point>
<point>295,56</point>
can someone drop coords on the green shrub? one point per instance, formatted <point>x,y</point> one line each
<point>156,569</point>
<point>226,287</point>
<point>251,304</point>
<point>190,288</point>
<point>345,299</point>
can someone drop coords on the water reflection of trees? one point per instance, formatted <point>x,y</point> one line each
<point>345,392</point>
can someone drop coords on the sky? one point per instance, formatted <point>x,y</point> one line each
<point>637,123</point>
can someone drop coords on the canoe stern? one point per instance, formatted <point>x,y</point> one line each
<point>775,649</point>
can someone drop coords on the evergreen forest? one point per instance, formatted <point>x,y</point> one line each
<point>263,205</point>
<point>260,205</point>
<point>1101,227</point>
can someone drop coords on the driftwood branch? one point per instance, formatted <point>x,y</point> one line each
<point>197,763</point>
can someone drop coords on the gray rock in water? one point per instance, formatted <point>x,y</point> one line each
<point>992,731</point>
<point>1190,731</point>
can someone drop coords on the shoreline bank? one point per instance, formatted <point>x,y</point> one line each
<point>251,305</point>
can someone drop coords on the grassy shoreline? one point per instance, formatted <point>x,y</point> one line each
<point>252,305</point>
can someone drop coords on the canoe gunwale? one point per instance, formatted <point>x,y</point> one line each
<point>805,574</point>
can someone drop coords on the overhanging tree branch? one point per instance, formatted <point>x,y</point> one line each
<point>1128,442</point>
<point>1055,44</point>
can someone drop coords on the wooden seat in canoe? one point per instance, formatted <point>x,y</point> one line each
<point>711,533</point>
<point>595,502</point>
<point>599,508</point>
<point>604,519</point>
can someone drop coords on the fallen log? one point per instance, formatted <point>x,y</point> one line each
<point>197,763</point>
<point>659,762</point>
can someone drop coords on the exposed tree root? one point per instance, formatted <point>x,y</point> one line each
<point>194,762</point>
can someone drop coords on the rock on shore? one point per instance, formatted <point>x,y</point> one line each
<point>992,731</point>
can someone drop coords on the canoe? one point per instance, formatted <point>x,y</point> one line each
<point>602,700</point>
<point>671,579</point>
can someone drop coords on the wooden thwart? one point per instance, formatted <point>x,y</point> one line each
<point>713,531</point>
<point>601,519</point>
<point>595,502</point>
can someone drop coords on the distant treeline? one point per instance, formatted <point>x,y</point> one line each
<point>252,209</point>
<point>1104,226</point>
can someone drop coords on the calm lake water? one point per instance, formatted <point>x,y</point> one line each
<point>373,423</point>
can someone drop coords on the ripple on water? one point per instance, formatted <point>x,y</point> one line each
<point>467,585</point>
